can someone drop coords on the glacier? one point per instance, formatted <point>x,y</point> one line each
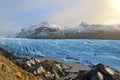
<point>84,51</point>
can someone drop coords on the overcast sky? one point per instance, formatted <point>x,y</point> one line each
<point>15,14</point>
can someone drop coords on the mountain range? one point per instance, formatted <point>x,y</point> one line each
<point>45,30</point>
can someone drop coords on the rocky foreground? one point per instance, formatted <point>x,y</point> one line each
<point>10,71</point>
<point>28,68</point>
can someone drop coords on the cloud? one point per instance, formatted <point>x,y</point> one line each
<point>16,13</point>
<point>73,12</point>
<point>24,5</point>
<point>7,27</point>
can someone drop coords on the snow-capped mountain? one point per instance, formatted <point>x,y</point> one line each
<point>42,30</point>
<point>84,30</point>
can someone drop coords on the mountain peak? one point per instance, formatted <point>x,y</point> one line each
<point>85,24</point>
<point>44,24</point>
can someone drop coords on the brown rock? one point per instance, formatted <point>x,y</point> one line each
<point>18,74</point>
<point>4,67</point>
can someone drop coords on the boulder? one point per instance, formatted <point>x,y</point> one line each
<point>100,72</point>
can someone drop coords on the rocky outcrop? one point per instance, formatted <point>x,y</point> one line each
<point>47,70</point>
<point>9,71</point>
<point>100,72</point>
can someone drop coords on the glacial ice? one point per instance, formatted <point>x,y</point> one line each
<point>71,50</point>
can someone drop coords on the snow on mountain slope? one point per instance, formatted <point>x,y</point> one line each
<point>72,50</point>
<point>42,29</point>
<point>84,30</point>
<point>96,27</point>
